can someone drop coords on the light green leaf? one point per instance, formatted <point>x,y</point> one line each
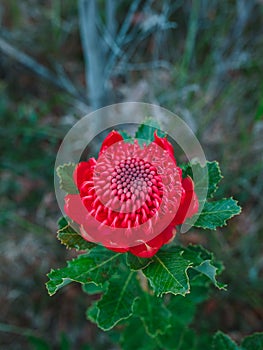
<point>222,341</point>
<point>209,270</point>
<point>167,273</point>
<point>215,214</point>
<point>153,313</point>
<point>145,132</point>
<point>72,239</point>
<point>117,303</point>
<point>253,342</point>
<point>126,136</point>
<point>65,174</point>
<point>203,262</point>
<point>96,266</point>
<point>135,263</point>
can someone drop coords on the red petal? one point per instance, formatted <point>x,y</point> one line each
<point>112,138</point>
<point>189,203</point>
<point>148,249</point>
<point>164,144</point>
<point>84,171</point>
<point>75,209</point>
<point>118,250</point>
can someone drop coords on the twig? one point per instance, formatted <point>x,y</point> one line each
<point>39,69</point>
<point>93,52</point>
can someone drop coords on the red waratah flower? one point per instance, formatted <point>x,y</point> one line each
<point>131,197</point>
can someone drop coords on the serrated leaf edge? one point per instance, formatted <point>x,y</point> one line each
<point>170,292</point>
<point>76,278</point>
<point>221,177</point>
<point>60,177</point>
<point>225,221</point>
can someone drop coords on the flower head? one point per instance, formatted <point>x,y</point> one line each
<point>131,197</point>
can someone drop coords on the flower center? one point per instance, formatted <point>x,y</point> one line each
<point>135,180</point>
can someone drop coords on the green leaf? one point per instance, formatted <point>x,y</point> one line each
<point>216,213</point>
<point>93,312</point>
<point>183,309</point>
<point>209,270</point>
<point>253,342</point>
<point>214,177</point>
<point>178,337</point>
<point>203,262</point>
<point>65,174</point>
<point>134,337</point>
<point>171,268</point>
<point>222,341</point>
<point>38,343</point>
<point>96,266</point>
<point>135,263</point>
<point>126,136</point>
<point>91,288</point>
<point>72,239</point>
<point>153,313</point>
<point>145,132</point>
<point>117,303</point>
<point>167,273</point>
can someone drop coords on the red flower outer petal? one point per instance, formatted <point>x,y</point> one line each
<point>164,144</point>
<point>74,208</point>
<point>84,171</point>
<point>112,138</point>
<point>148,249</point>
<point>118,250</point>
<point>189,203</point>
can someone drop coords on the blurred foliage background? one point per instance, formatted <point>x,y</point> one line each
<point>201,59</point>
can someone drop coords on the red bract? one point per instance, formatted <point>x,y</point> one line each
<point>131,197</point>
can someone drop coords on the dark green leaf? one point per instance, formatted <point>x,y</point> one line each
<point>72,239</point>
<point>65,174</point>
<point>65,343</point>
<point>167,273</point>
<point>216,213</point>
<point>96,266</point>
<point>93,312</point>
<point>38,343</point>
<point>182,308</point>
<point>91,288</point>
<point>117,303</point>
<point>153,313</point>
<point>222,341</point>
<point>171,268</point>
<point>178,337</point>
<point>136,263</point>
<point>135,337</point>
<point>253,342</point>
